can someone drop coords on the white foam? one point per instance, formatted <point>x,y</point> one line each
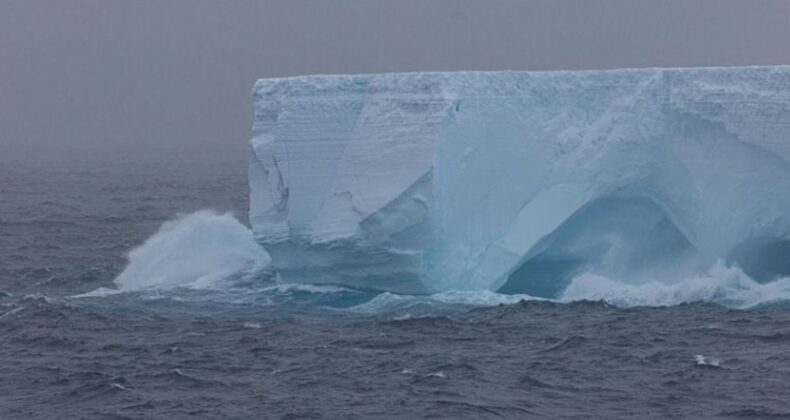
<point>479,298</point>
<point>307,288</point>
<point>465,298</point>
<point>706,361</point>
<point>198,250</point>
<point>722,284</point>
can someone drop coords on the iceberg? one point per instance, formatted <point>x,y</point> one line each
<point>520,182</point>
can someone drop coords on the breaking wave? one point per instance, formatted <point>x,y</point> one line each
<point>199,250</point>
<point>725,285</point>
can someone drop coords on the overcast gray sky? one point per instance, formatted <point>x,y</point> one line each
<point>145,78</point>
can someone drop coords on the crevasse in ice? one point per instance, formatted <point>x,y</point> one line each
<point>522,181</point>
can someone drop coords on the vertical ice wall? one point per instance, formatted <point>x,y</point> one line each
<point>340,172</point>
<point>519,180</point>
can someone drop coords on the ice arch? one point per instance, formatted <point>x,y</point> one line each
<point>629,238</point>
<point>763,259</point>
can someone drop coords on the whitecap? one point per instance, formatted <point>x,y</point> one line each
<point>722,284</point>
<point>706,361</point>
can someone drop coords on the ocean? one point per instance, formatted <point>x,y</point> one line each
<point>74,343</point>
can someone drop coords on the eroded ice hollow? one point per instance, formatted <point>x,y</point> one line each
<point>520,181</point>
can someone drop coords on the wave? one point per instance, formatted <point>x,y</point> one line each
<point>411,305</point>
<point>726,285</point>
<point>201,250</point>
<point>722,284</point>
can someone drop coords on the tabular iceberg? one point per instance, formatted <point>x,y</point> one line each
<point>521,181</point>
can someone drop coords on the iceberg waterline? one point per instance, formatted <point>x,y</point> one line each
<point>551,184</point>
<point>213,252</point>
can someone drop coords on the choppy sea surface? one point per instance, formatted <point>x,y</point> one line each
<point>76,343</point>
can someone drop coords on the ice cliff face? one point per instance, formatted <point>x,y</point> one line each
<point>520,181</point>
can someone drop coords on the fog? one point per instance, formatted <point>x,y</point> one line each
<point>143,79</point>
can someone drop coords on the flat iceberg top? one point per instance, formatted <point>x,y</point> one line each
<point>520,180</point>
<point>495,83</point>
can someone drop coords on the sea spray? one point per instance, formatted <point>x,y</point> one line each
<point>722,284</point>
<point>199,250</point>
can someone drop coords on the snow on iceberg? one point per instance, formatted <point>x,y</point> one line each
<point>522,181</point>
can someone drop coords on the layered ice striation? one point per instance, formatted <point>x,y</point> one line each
<point>522,181</point>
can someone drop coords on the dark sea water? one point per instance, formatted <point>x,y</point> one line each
<point>265,350</point>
